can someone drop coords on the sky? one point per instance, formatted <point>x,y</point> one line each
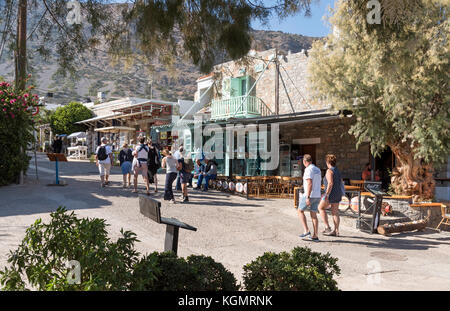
<point>313,26</point>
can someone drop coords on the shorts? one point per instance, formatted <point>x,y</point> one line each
<point>126,167</point>
<point>104,168</point>
<point>314,207</point>
<point>142,168</point>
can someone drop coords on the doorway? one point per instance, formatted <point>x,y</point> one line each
<point>384,164</point>
<point>309,149</point>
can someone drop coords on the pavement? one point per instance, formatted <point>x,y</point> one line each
<point>231,229</point>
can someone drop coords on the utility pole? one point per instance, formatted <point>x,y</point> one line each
<point>21,54</point>
<point>277,84</point>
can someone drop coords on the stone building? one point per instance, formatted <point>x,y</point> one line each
<point>272,87</point>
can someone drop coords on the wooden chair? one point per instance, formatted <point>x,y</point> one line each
<point>445,216</point>
<point>357,183</point>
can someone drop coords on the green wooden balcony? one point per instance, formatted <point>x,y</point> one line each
<point>239,107</point>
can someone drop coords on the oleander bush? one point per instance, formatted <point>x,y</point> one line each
<point>16,131</point>
<point>300,270</point>
<point>167,272</point>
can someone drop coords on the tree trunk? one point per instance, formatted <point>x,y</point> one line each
<point>21,46</point>
<point>411,176</point>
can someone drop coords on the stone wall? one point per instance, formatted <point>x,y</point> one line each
<point>293,71</point>
<point>334,138</point>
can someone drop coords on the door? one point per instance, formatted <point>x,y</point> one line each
<point>311,150</point>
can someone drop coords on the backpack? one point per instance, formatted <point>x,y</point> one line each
<point>101,154</point>
<point>129,156</point>
<point>188,165</point>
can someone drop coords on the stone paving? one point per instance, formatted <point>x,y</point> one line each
<point>231,229</point>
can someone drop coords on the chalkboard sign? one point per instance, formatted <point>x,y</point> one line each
<point>374,187</point>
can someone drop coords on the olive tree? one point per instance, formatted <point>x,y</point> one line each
<point>394,76</point>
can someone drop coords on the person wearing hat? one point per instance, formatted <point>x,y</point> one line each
<point>171,165</point>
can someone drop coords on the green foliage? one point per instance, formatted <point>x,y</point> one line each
<point>159,29</point>
<point>40,259</point>
<point>166,271</point>
<point>63,120</point>
<point>394,76</point>
<point>302,269</point>
<point>16,126</point>
<point>39,263</point>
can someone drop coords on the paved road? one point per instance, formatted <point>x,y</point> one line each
<point>231,229</point>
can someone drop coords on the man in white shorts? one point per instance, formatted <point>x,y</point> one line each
<point>104,161</point>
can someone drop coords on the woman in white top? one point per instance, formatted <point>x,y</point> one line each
<point>140,164</point>
<point>172,166</point>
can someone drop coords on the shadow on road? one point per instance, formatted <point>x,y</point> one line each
<point>396,241</point>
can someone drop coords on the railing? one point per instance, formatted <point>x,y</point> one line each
<point>239,107</point>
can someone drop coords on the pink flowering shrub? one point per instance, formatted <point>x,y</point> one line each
<point>16,130</point>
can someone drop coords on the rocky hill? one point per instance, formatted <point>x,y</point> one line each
<point>98,74</point>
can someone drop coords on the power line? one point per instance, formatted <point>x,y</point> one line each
<point>300,93</point>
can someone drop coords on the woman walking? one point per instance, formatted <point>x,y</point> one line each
<point>332,196</point>
<point>126,159</point>
<point>171,165</point>
<point>153,163</point>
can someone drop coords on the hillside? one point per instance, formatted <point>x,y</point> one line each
<point>97,73</point>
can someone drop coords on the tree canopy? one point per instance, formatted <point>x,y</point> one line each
<point>394,76</point>
<point>196,29</point>
<point>63,120</point>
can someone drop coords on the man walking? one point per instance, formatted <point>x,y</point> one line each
<point>104,161</point>
<point>310,198</point>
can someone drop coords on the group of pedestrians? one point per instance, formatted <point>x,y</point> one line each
<point>144,160</point>
<point>316,202</point>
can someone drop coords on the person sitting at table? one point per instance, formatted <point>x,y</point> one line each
<point>198,172</point>
<point>366,174</point>
<point>210,173</point>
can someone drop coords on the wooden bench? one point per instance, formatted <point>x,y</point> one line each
<point>152,209</point>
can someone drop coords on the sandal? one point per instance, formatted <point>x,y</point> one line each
<point>333,234</point>
<point>326,231</point>
<point>134,191</point>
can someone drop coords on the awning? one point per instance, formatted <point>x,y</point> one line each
<point>100,118</point>
<point>77,135</point>
<point>115,129</point>
<point>168,127</point>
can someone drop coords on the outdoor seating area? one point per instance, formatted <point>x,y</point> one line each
<point>258,186</point>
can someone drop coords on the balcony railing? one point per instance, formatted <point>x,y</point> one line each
<point>239,107</point>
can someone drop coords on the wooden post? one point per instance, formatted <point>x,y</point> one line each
<point>171,241</point>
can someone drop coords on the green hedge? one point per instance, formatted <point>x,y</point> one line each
<point>302,269</point>
<point>40,262</point>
